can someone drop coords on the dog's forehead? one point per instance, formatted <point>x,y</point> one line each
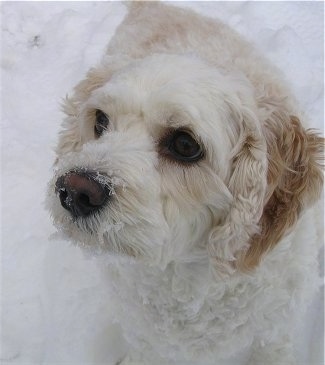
<point>159,69</point>
<point>161,87</point>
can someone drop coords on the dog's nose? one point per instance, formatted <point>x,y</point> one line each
<point>82,193</point>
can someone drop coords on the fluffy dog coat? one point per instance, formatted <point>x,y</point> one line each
<point>205,260</point>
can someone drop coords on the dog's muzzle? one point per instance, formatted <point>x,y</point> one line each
<point>83,193</point>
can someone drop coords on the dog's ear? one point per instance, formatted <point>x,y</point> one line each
<point>294,182</point>
<point>98,76</point>
<point>276,173</point>
<point>95,78</point>
<point>70,136</point>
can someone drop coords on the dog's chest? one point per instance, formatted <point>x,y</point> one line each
<point>181,311</point>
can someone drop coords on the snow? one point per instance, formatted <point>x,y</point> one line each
<point>53,303</point>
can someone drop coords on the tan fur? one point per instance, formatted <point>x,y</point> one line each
<point>294,179</point>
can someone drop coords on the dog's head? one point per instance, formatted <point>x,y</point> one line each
<point>168,159</point>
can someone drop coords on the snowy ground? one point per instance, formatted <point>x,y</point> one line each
<point>52,298</point>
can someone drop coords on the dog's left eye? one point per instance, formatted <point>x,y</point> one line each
<point>101,123</point>
<point>181,146</point>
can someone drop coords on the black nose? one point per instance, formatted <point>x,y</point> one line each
<point>82,193</point>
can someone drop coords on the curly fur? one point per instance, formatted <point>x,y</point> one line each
<point>211,260</point>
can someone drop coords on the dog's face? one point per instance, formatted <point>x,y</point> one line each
<point>166,159</point>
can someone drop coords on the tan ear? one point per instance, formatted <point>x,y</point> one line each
<point>95,78</point>
<point>276,173</point>
<point>70,136</point>
<point>98,76</point>
<point>294,182</point>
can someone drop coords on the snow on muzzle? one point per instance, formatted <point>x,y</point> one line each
<point>106,196</point>
<point>83,192</point>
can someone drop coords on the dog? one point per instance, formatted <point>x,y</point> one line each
<point>183,163</point>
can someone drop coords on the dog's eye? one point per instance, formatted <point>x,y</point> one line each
<point>183,147</point>
<point>101,123</point>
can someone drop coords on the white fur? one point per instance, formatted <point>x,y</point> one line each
<point>181,300</point>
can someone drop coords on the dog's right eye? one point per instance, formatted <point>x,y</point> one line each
<point>101,123</point>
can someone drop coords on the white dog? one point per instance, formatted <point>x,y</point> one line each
<point>184,159</point>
